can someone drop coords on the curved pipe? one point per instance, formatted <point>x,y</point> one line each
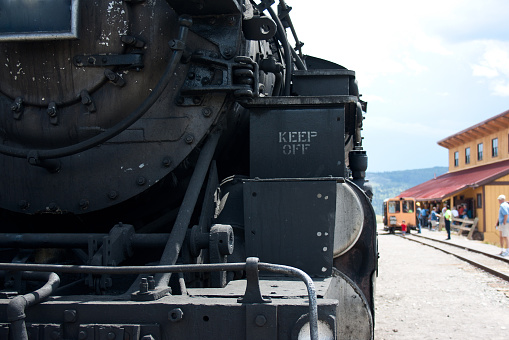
<point>17,306</point>
<point>286,47</point>
<point>178,47</point>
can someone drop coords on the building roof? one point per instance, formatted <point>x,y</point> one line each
<point>490,125</point>
<point>453,182</point>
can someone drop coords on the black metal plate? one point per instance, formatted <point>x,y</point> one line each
<point>291,222</point>
<point>297,143</point>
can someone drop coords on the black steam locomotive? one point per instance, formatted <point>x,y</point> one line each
<point>178,170</point>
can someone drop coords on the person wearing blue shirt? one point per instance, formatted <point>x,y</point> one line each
<point>434,219</point>
<point>503,225</point>
<point>423,218</point>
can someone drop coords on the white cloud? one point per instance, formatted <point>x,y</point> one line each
<point>501,88</point>
<point>494,65</point>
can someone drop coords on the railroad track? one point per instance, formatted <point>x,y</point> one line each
<point>493,264</point>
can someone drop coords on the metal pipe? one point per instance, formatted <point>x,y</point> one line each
<point>286,47</point>
<point>17,306</point>
<point>178,233</point>
<point>67,240</point>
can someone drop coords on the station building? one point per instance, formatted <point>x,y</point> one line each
<point>478,174</point>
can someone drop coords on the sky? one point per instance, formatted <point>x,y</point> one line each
<point>427,69</point>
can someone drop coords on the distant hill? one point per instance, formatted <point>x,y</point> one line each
<point>388,184</point>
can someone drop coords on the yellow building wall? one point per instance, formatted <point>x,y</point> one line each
<point>503,151</point>
<point>492,191</point>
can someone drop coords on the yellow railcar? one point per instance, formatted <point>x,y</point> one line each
<point>399,209</point>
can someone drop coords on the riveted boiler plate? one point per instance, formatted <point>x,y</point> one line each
<point>42,71</point>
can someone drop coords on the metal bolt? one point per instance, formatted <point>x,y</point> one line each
<point>166,162</point>
<point>191,75</point>
<point>175,315</point>
<point>207,112</point>
<point>228,52</point>
<point>23,204</point>
<point>144,286</point>
<point>52,109</point>
<point>112,194</point>
<point>189,139</point>
<point>84,203</point>
<point>151,282</point>
<point>111,335</point>
<point>141,180</point>
<point>69,315</point>
<point>260,320</point>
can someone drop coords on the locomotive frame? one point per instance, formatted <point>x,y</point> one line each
<point>174,172</point>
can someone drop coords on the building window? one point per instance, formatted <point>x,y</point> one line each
<point>494,147</point>
<point>479,151</point>
<point>467,156</point>
<point>479,201</point>
<point>456,158</point>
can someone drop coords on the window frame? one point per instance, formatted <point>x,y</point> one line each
<point>456,158</point>
<point>494,147</point>
<point>467,155</point>
<point>480,149</point>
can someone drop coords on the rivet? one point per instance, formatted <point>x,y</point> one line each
<point>84,203</point>
<point>69,315</point>
<point>260,320</point>
<point>113,194</point>
<point>207,112</point>
<point>111,335</point>
<point>23,204</point>
<point>166,162</point>
<point>189,139</point>
<point>141,180</point>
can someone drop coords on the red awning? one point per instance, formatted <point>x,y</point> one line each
<point>453,182</point>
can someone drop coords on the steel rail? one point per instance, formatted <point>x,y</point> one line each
<point>492,271</point>
<point>496,257</point>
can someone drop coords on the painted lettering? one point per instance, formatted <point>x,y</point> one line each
<point>296,142</point>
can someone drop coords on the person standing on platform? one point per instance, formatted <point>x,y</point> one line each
<point>448,219</point>
<point>418,216</point>
<point>423,218</point>
<point>503,225</point>
<point>434,219</point>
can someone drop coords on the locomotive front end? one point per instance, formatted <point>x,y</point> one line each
<point>177,170</point>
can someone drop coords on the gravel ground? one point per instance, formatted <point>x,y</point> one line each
<point>422,293</point>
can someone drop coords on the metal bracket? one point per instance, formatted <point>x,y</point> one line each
<point>253,293</point>
<point>131,60</point>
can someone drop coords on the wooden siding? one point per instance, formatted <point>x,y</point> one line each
<point>503,151</point>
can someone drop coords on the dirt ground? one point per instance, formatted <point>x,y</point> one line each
<point>422,293</point>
